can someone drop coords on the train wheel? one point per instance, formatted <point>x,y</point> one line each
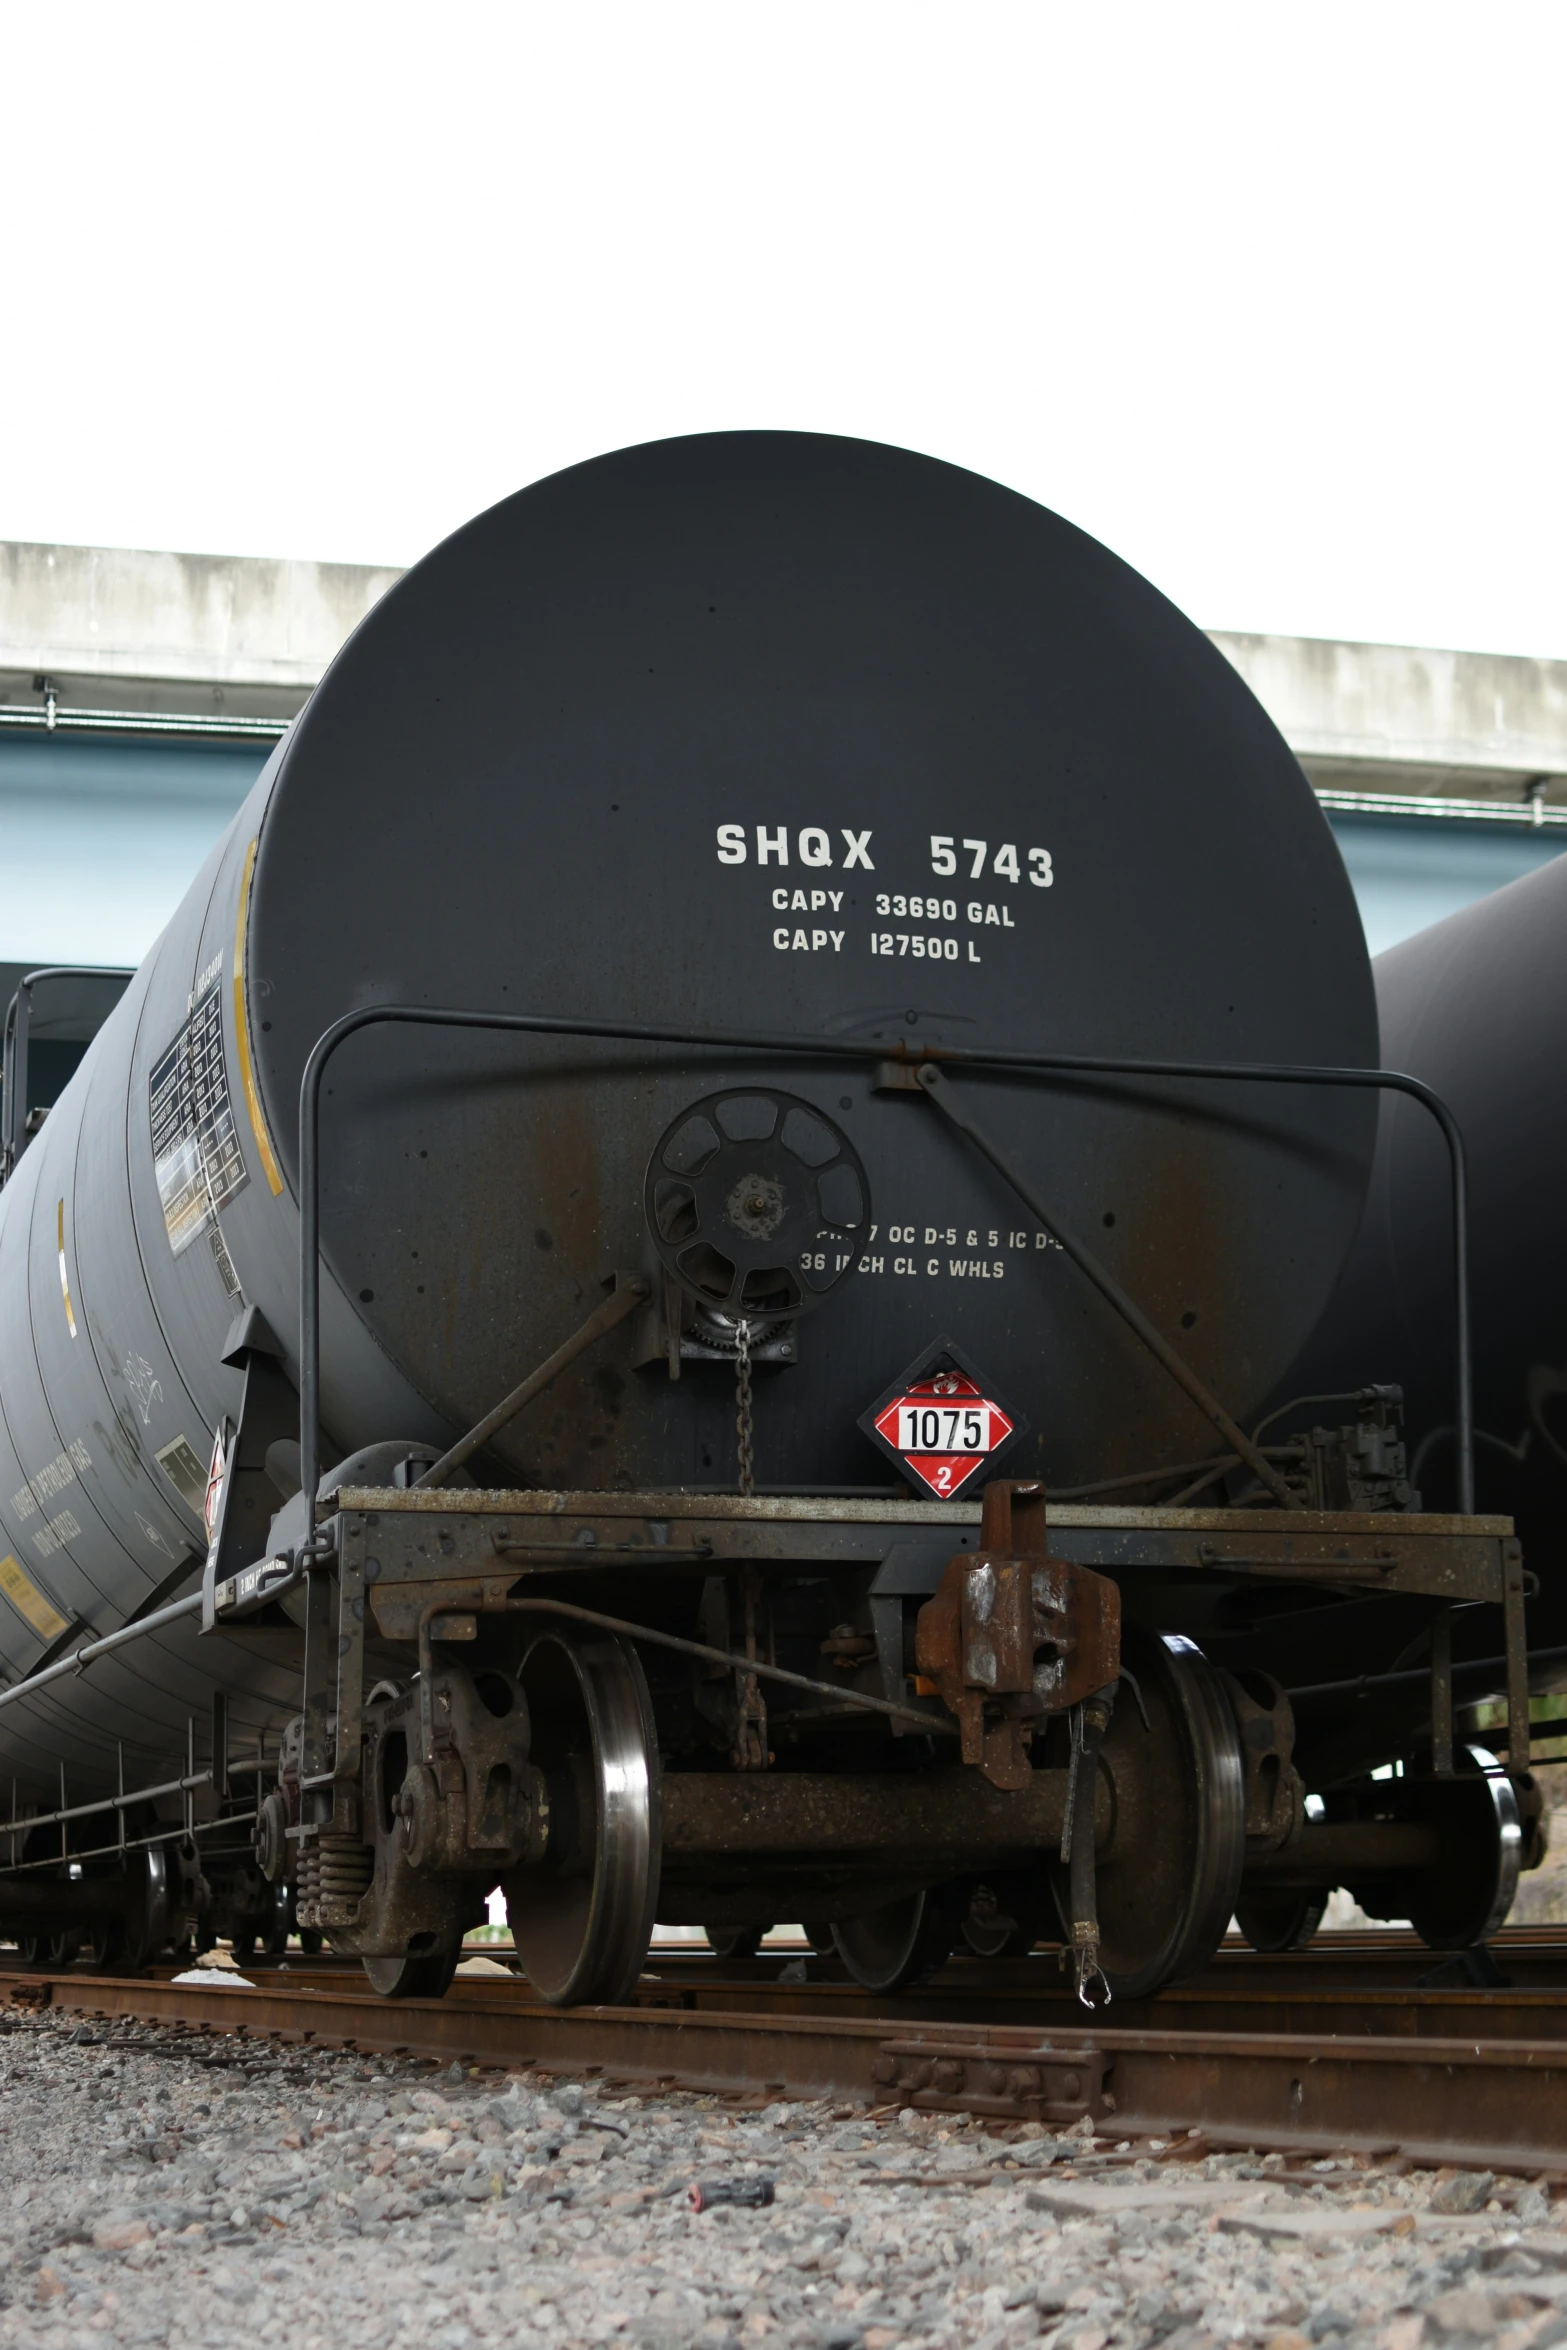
<point>126,1944</point>
<point>268,1933</point>
<point>1003,1921</point>
<point>581,1918</point>
<point>736,1941</point>
<point>1170,1873</point>
<point>1280,1921</point>
<point>901,1943</point>
<point>49,1950</point>
<point>418,1974</point>
<point>145,1929</point>
<point>106,1946</point>
<point>1476,1814</point>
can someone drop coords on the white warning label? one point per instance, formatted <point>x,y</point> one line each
<point>195,1146</point>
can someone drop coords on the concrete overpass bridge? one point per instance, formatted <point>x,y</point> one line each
<point>140,694</point>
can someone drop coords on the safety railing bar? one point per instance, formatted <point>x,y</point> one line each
<point>236,1819</point>
<point>81,1657</point>
<point>85,1811</point>
<point>835,1049</point>
<point>13,1055</point>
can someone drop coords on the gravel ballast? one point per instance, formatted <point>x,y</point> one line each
<point>163,2187</point>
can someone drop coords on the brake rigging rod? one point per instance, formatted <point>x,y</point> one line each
<point>629,1294</point>
<point>935,1085</point>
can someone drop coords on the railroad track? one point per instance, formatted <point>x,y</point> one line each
<point>1340,2049</point>
<point>1357,1982</point>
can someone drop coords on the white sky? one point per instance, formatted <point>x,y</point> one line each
<point>1269,297</point>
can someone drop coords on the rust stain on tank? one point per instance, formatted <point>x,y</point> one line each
<point>560,1203</point>
<point>487,1300</point>
<point>1180,1253</point>
<point>567,1157</point>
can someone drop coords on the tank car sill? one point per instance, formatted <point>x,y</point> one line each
<point>810,1509</point>
<point>448,1501</point>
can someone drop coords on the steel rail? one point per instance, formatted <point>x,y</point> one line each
<point>909,1053</point>
<point>1484,2104</point>
<point>1362,1982</point>
<point>1388,1993</point>
<point>1336,1954</point>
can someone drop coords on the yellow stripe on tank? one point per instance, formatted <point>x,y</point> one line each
<point>29,1602</point>
<point>65,1282</point>
<point>247,1074</point>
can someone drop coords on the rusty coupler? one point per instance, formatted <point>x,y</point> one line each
<point>1012,1638</point>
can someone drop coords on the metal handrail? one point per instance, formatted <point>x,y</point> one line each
<point>80,1658</point>
<point>229,1819</point>
<point>835,1049</point>
<point>13,1053</point>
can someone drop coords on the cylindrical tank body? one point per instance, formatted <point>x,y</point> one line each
<point>1476,1006</point>
<point>750,732</point>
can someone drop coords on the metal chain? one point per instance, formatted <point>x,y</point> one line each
<point>744,1425</point>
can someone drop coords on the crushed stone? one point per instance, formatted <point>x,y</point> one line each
<point>177,2188</point>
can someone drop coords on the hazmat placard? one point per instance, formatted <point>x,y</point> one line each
<point>941,1422</point>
